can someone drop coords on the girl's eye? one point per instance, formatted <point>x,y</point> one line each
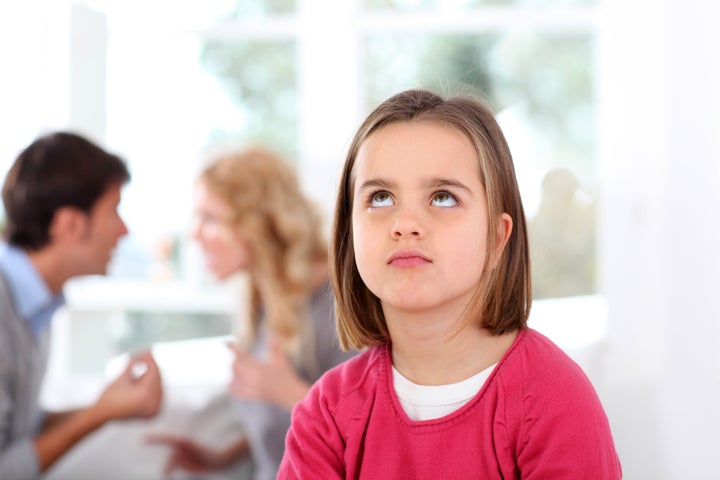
<point>380,199</point>
<point>444,199</point>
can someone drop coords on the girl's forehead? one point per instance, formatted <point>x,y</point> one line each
<point>407,148</point>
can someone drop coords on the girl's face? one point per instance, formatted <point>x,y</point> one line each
<point>419,217</point>
<point>225,250</point>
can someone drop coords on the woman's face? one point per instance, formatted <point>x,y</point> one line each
<point>225,250</point>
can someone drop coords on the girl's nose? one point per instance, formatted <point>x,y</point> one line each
<point>407,225</point>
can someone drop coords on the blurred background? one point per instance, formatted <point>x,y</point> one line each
<point>611,109</point>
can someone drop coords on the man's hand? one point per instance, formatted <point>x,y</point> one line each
<point>136,393</point>
<point>131,395</point>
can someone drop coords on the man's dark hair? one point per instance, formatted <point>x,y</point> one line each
<point>60,169</point>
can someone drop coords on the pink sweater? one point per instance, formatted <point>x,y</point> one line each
<point>536,417</point>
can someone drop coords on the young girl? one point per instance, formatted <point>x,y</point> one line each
<point>430,268</point>
<point>252,217</point>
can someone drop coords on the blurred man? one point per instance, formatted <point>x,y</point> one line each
<point>61,197</point>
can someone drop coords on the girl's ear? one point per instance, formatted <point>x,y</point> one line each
<point>503,229</point>
<point>68,224</point>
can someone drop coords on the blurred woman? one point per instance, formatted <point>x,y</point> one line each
<point>252,217</point>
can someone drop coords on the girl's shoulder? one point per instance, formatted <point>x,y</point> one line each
<point>530,342</point>
<point>355,382</point>
<point>356,372</point>
<point>535,364</point>
<point>551,410</point>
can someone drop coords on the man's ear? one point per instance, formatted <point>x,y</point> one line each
<point>67,225</point>
<point>503,229</point>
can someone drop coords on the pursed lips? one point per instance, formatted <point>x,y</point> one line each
<point>408,258</point>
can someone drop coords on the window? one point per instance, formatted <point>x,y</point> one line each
<point>244,72</point>
<point>178,79</point>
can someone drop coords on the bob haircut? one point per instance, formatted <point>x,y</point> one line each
<point>501,302</point>
<point>60,169</point>
<point>283,229</point>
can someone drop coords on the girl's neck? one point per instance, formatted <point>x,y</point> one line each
<point>425,351</point>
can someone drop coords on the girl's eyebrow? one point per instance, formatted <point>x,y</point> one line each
<point>435,182</point>
<point>377,183</point>
<point>446,182</point>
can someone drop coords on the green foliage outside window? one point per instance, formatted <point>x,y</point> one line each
<point>551,77</point>
<point>244,8</point>
<point>261,78</point>
<point>433,5</point>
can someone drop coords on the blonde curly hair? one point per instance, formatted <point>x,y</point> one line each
<point>284,231</point>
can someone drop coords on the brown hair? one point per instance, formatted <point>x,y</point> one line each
<point>503,296</point>
<point>284,231</point>
<point>57,170</point>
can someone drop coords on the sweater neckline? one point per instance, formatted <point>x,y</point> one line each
<point>386,382</point>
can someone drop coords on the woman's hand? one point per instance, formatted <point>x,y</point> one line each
<point>273,380</point>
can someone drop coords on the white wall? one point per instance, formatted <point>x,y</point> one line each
<point>661,233</point>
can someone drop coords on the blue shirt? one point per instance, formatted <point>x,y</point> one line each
<point>33,299</point>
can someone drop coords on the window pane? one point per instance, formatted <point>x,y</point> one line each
<point>260,79</point>
<point>170,98</point>
<point>244,8</point>
<point>144,14</point>
<point>454,5</point>
<point>26,93</point>
<point>541,87</point>
<point>139,329</point>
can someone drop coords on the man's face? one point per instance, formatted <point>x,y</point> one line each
<point>104,228</point>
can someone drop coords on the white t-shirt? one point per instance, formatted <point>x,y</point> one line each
<point>425,402</point>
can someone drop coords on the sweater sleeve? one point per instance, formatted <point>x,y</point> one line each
<point>314,445</point>
<point>565,433</point>
<point>18,460</point>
